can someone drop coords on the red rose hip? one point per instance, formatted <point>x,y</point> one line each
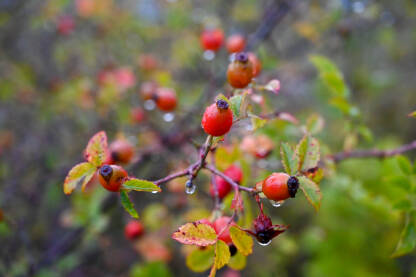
<point>137,115</point>
<point>240,71</point>
<point>235,173</point>
<point>111,177</point>
<point>133,230</point>
<point>256,64</point>
<point>217,119</point>
<point>121,151</point>
<point>280,186</point>
<point>212,39</point>
<point>223,187</point>
<point>166,99</point>
<point>235,43</point>
<point>223,229</point>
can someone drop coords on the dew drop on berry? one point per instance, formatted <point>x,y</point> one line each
<point>209,55</point>
<point>168,117</point>
<point>277,204</point>
<point>264,243</point>
<point>149,105</point>
<point>190,187</point>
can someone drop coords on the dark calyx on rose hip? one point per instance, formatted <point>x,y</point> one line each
<point>106,172</point>
<point>264,236</point>
<point>222,104</point>
<point>241,57</point>
<point>293,186</point>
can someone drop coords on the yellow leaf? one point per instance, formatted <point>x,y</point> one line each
<point>222,254</point>
<point>241,240</point>
<point>196,234</point>
<point>80,174</point>
<point>200,260</point>
<point>96,150</point>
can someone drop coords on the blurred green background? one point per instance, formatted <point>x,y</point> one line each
<point>54,54</point>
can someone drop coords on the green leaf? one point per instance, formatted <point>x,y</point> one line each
<point>222,254</point>
<point>96,151</point>
<point>341,104</point>
<point>366,133</point>
<point>315,124</point>
<point>80,174</point>
<point>127,204</point>
<point>289,159</point>
<point>236,104</point>
<point>157,269</point>
<point>307,152</point>
<point>414,167</point>
<point>257,122</point>
<point>200,260</point>
<point>196,234</point>
<point>335,83</point>
<point>403,205</point>
<point>330,75</point>
<point>238,261</point>
<point>404,164</point>
<point>323,64</point>
<point>311,192</point>
<point>241,240</point>
<point>407,240</point>
<point>399,181</point>
<point>140,185</point>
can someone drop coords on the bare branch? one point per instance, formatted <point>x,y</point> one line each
<point>373,153</point>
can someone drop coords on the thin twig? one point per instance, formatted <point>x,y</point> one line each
<point>373,153</point>
<point>228,223</point>
<point>214,184</point>
<point>275,12</point>
<point>172,176</point>
<point>194,168</point>
<point>228,179</point>
<point>203,155</point>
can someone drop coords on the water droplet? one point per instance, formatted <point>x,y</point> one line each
<point>231,58</point>
<point>168,117</point>
<point>149,105</point>
<point>209,55</point>
<point>264,243</point>
<point>249,126</point>
<point>277,203</point>
<point>190,187</point>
